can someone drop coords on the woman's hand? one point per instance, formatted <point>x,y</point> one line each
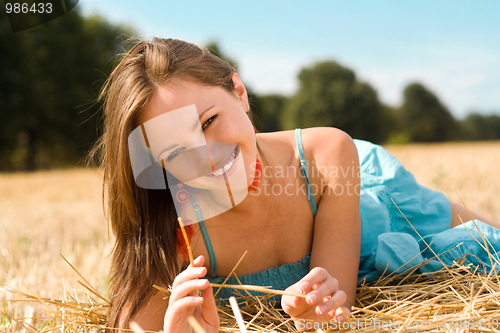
<point>185,301</point>
<point>323,298</point>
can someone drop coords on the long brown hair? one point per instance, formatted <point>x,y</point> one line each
<point>143,221</point>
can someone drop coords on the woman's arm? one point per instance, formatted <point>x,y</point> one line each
<point>337,226</point>
<point>337,229</point>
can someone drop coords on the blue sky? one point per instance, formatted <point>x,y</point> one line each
<point>451,46</point>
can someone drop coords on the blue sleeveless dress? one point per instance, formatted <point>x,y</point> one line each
<point>386,236</point>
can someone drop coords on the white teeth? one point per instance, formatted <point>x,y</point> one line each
<point>226,167</point>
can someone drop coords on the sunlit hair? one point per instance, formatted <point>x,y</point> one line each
<point>143,221</point>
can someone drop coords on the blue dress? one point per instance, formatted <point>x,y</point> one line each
<point>388,241</point>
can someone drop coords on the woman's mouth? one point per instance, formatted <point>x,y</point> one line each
<point>221,171</point>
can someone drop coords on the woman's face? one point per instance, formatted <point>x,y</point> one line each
<point>193,129</point>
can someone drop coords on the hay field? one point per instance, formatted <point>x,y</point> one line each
<point>472,168</point>
<point>46,213</point>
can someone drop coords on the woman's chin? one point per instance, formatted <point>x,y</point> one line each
<point>208,183</point>
<point>205,183</point>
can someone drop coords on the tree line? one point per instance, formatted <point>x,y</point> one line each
<point>51,75</point>
<point>329,94</point>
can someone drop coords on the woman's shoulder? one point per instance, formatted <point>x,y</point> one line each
<point>317,142</point>
<point>329,146</point>
<point>325,138</point>
<point>322,146</point>
<point>314,135</point>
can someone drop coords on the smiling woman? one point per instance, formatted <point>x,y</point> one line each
<point>161,78</point>
<point>178,117</point>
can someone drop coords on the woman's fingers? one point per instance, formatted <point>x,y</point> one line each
<point>191,273</point>
<point>185,303</point>
<point>187,283</point>
<point>198,261</point>
<point>326,289</point>
<point>339,314</point>
<point>188,288</point>
<point>319,287</point>
<point>185,300</point>
<point>178,312</point>
<point>315,276</point>
<point>293,305</point>
<point>209,308</point>
<point>323,293</point>
<point>334,302</point>
<point>318,284</point>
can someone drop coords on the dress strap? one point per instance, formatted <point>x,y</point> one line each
<point>208,244</point>
<point>303,164</point>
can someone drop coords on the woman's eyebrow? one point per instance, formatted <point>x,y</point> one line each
<point>199,120</point>
<point>206,111</point>
<point>196,124</point>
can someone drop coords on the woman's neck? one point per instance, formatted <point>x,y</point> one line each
<point>256,198</point>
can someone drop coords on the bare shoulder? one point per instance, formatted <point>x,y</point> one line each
<point>329,145</point>
<point>326,137</point>
<point>323,145</point>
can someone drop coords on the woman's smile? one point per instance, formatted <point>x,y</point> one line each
<point>227,166</point>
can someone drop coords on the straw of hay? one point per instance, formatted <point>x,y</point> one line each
<point>458,298</point>
<point>453,298</point>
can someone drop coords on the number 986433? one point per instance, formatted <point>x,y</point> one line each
<point>25,8</point>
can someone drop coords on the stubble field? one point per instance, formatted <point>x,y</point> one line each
<point>48,213</point>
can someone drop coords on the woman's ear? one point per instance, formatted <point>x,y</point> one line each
<point>240,91</point>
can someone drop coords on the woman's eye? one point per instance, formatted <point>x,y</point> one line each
<point>174,153</point>
<point>208,122</point>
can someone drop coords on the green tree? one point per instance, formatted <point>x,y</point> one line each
<point>52,75</point>
<point>395,126</point>
<point>330,95</point>
<point>480,127</point>
<point>425,118</point>
<point>268,110</point>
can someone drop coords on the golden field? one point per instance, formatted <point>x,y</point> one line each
<point>471,168</point>
<point>47,213</point>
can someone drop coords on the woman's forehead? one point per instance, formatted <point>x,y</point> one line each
<point>176,95</point>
